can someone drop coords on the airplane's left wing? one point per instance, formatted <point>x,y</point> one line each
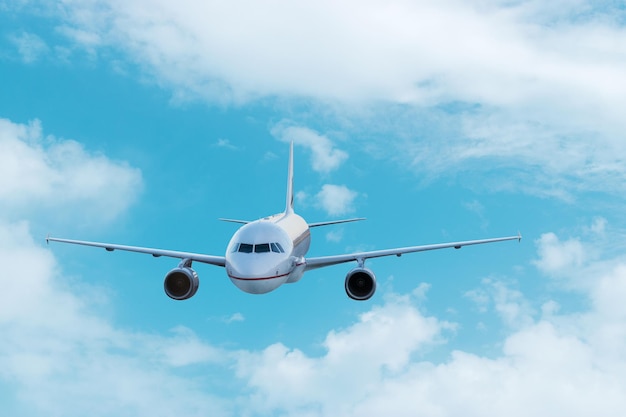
<point>322,261</point>
<point>198,257</point>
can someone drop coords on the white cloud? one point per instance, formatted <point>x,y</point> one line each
<point>556,257</point>
<point>599,225</point>
<point>374,368</point>
<point>30,46</point>
<point>187,349</point>
<point>494,52</point>
<point>336,199</point>
<point>419,293</point>
<point>378,346</point>
<point>530,152</point>
<point>41,172</point>
<point>334,235</point>
<point>324,156</point>
<point>302,199</point>
<point>509,303</point>
<point>235,317</point>
<point>608,293</point>
<point>225,143</point>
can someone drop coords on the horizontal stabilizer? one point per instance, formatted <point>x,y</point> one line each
<point>336,222</point>
<point>235,221</point>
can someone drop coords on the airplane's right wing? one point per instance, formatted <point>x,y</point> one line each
<point>322,261</point>
<point>197,257</point>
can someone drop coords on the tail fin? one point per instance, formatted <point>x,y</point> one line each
<point>289,203</point>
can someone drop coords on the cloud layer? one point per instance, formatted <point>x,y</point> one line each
<point>452,86</point>
<point>397,51</point>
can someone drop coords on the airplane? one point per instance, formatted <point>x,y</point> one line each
<point>264,254</point>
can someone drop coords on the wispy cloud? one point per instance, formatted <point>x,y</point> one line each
<point>324,156</point>
<point>334,235</point>
<point>336,199</point>
<point>29,46</point>
<point>225,143</point>
<point>235,317</point>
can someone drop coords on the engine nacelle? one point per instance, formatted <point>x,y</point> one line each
<point>181,283</point>
<point>360,284</point>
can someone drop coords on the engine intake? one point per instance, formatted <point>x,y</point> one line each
<point>181,283</point>
<point>360,284</point>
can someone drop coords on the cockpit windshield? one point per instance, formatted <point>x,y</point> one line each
<point>262,247</point>
<point>245,248</point>
<point>258,248</point>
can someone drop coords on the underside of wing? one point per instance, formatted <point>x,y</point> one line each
<point>197,257</point>
<point>322,261</point>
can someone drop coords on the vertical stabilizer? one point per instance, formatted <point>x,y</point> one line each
<point>289,204</point>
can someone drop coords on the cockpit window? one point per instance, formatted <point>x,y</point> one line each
<point>277,248</point>
<point>258,248</point>
<point>262,247</point>
<point>245,248</point>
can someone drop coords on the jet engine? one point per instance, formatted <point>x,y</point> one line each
<point>360,284</point>
<point>181,283</point>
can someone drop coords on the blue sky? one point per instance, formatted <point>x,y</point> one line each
<point>142,122</point>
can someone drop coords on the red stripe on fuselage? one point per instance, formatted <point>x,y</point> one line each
<point>260,278</point>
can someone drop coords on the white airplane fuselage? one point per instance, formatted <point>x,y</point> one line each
<point>266,253</point>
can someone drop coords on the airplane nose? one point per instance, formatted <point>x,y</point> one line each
<point>251,266</point>
<point>255,276</point>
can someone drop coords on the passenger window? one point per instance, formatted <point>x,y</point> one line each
<point>245,248</point>
<point>262,247</point>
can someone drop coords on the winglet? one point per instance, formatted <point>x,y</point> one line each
<point>48,239</point>
<point>289,202</point>
<point>519,236</point>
